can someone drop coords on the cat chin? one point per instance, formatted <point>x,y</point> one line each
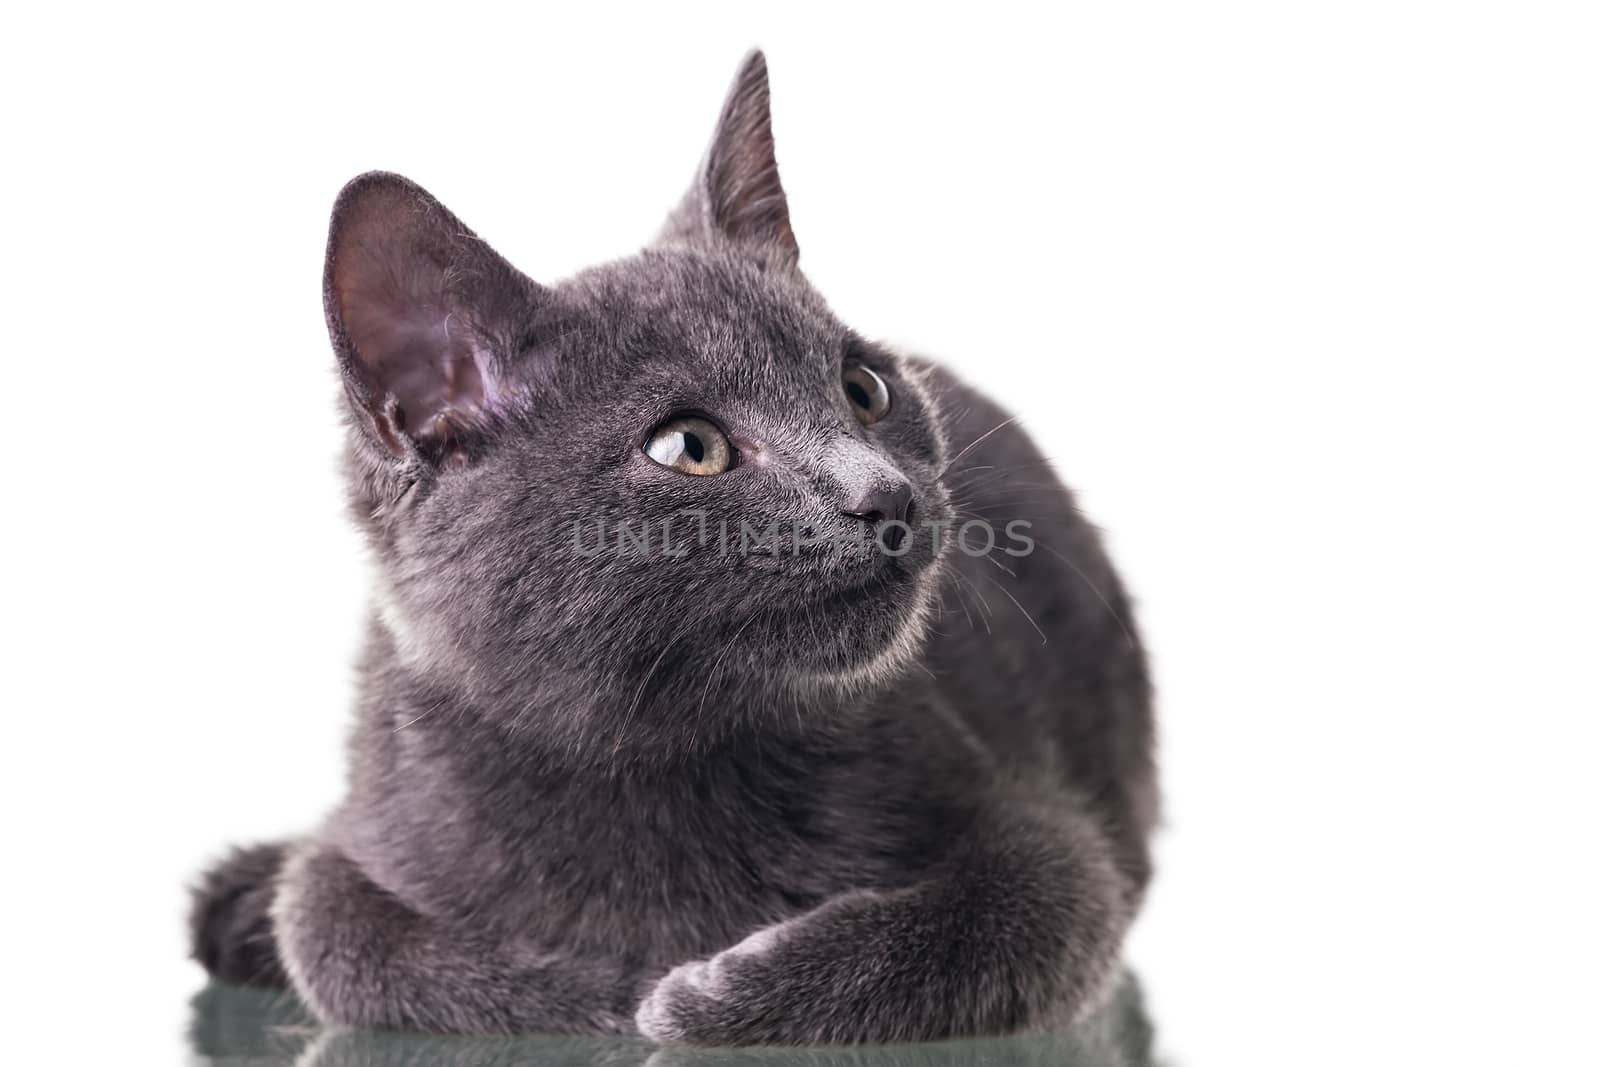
<point>881,665</point>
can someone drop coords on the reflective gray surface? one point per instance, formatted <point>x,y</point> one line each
<point>242,1026</point>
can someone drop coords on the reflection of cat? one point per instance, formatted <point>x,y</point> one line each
<point>877,790</point>
<point>232,1025</point>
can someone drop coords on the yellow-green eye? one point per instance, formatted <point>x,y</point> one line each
<point>691,445</point>
<point>868,395</point>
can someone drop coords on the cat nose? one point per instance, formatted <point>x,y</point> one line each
<point>882,503</point>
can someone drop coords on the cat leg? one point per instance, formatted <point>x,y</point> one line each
<point>360,956</point>
<point>1020,928</point>
<point>230,930</point>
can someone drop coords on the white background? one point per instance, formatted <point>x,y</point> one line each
<point>1302,301</point>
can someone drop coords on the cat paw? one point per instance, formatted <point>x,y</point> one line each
<point>714,1001</point>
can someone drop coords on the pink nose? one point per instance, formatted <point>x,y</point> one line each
<point>882,503</point>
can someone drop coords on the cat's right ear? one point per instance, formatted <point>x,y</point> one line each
<point>424,316</point>
<point>736,196</point>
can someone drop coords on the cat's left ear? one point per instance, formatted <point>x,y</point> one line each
<point>737,196</point>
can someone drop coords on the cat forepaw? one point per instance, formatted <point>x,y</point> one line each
<point>711,1002</point>
<point>668,1014</point>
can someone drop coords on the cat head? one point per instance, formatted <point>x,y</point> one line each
<point>627,511</point>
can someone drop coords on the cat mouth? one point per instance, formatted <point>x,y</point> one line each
<point>883,585</point>
<point>831,573</point>
<point>841,579</point>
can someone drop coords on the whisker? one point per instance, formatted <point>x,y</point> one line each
<point>976,443</point>
<point>1105,601</point>
<point>971,470</point>
<point>1126,631</point>
<point>638,696</point>
<point>985,612</point>
<point>990,557</point>
<point>716,665</point>
<point>1004,474</point>
<point>426,712</point>
<point>1043,640</point>
<point>971,508</point>
<point>963,602</point>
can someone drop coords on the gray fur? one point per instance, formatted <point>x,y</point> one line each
<point>709,797</point>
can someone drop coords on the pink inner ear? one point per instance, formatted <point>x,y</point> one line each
<point>425,359</point>
<point>411,343</point>
<point>741,175</point>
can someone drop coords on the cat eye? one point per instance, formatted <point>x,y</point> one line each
<point>690,444</point>
<point>869,396</point>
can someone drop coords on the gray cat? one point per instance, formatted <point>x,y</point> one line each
<point>881,771</point>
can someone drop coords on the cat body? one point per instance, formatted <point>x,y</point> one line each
<point>858,784</point>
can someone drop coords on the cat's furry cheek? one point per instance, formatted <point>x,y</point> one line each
<point>408,643</point>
